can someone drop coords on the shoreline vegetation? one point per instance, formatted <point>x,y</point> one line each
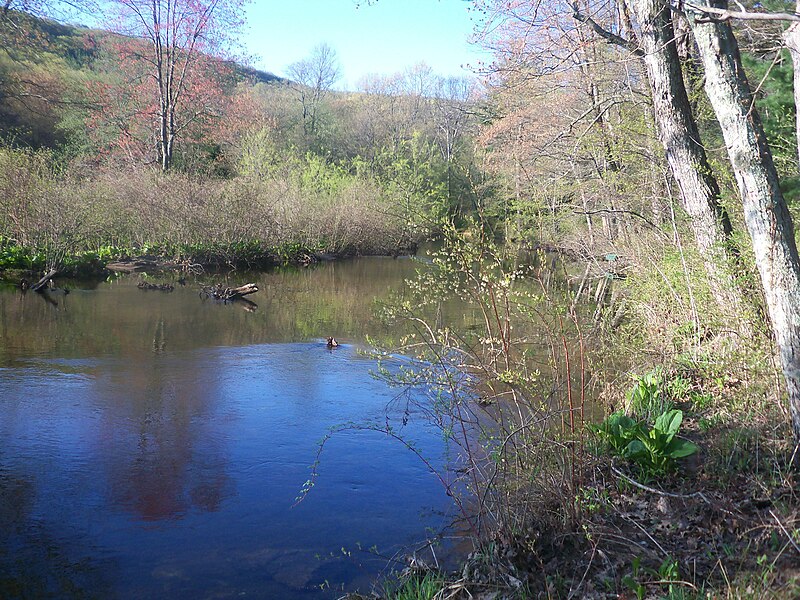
<point>639,417</point>
<point>588,474</point>
<point>80,224</point>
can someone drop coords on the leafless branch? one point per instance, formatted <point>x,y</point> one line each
<point>723,14</point>
<point>632,213</point>
<point>610,37</point>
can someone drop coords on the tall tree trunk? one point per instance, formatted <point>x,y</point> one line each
<point>685,154</point>
<point>163,142</point>
<point>792,39</point>
<point>765,211</point>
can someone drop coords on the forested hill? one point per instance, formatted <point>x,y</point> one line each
<point>45,68</point>
<point>152,141</point>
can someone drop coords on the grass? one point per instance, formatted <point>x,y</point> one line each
<point>426,586</point>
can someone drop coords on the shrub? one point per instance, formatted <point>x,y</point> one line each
<point>654,450</point>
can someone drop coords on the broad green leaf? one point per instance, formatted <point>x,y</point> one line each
<point>669,422</point>
<point>620,419</point>
<point>679,448</point>
<point>635,450</point>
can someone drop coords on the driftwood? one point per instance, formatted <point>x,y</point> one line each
<point>135,265</point>
<point>153,263</point>
<point>39,286</point>
<point>218,292</point>
<point>161,287</point>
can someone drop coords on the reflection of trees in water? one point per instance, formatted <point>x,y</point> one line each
<point>36,563</point>
<point>151,414</point>
<point>16,500</point>
<point>327,299</point>
<point>162,458</point>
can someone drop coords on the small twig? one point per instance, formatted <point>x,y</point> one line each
<point>652,539</point>
<point>575,590</point>
<point>659,492</point>
<point>633,213</point>
<point>673,582</point>
<point>786,533</point>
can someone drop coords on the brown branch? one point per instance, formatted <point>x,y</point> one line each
<point>611,38</point>
<point>633,213</point>
<point>786,533</point>
<point>647,488</point>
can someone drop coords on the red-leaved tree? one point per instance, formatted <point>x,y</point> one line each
<point>171,55</point>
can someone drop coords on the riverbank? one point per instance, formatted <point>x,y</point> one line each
<point>704,534</point>
<point>722,524</point>
<point>637,456</point>
<point>77,218</point>
<point>18,263</point>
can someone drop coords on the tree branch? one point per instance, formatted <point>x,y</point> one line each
<point>611,38</point>
<point>723,14</point>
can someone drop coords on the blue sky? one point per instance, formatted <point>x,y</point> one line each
<point>384,37</point>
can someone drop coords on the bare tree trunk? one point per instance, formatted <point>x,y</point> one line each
<point>685,154</point>
<point>766,214</point>
<point>792,39</point>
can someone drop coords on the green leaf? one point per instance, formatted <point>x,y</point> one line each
<point>621,423</point>
<point>635,450</point>
<point>679,448</point>
<point>615,418</point>
<point>669,422</point>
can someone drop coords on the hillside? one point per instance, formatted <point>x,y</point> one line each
<point>45,69</point>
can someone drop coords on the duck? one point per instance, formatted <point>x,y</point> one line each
<point>332,343</point>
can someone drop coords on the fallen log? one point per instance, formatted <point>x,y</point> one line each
<point>161,287</point>
<point>134,265</point>
<point>218,292</point>
<point>39,286</point>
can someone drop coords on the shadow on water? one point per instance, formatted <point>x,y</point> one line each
<point>152,444</point>
<point>35,562</point>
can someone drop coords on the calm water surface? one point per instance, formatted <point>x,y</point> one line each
<point>152,444</point>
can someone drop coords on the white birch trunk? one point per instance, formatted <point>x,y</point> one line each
<point>765,211</point>
<point>686,157</point>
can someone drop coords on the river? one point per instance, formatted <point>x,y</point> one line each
<point>153,444</point>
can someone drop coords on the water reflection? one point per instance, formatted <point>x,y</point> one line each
<point>35,560</point>
<point>165,461</point>
<point>331,299</point>
<point>152,444</point>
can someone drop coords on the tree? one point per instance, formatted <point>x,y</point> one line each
<point>569,129</point>
<point>684,150</point>
<point>451,115</point>
<point>678,132</point>
<point>765,211</point>
<point>792,39</point>
<point>34,90</point>
<point>53,9</point>
<point>313,78</point>
<point>173,51</point>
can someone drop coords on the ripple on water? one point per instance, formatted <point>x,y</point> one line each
<point>174,473</point>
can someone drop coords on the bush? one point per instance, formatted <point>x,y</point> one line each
<point>654,450</point>
<point>244,221</point>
